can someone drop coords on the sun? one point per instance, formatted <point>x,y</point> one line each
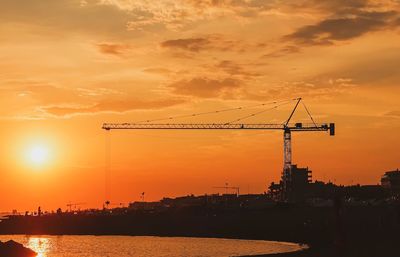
<point>38,154</point>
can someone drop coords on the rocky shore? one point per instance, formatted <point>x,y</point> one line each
<point>14,249</point>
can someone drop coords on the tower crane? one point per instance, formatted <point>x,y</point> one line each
<point>287,127</point>
<point>74,205</point>
<point>226,187</point>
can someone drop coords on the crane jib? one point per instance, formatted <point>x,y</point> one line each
<point>250,126</point>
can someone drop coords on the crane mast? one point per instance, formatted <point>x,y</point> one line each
<point>287,128</point>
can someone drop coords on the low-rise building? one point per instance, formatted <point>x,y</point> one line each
<point>297,186</point>
<point>145,206</point>
<point>391,181</point>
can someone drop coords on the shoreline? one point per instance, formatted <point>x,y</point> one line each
<point>360,231</point>
<point>303,248</point>
<point>391,249</point>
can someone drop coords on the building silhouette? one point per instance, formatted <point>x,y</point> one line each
<point>296,188</point>
<point>390,181</point>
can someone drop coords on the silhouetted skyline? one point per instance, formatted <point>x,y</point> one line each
<point>68,66</point>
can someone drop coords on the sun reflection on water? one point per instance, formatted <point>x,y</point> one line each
<point>40,245</point>
<point>120,246</point>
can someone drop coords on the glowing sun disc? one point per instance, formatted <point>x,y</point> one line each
<point>38,154</point>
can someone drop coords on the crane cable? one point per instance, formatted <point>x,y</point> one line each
<point>309,114</point>
<point>259,112</point>
<point>213,112</point>
<point>107,166</point>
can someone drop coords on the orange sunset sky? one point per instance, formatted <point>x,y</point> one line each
<point>67,66</point>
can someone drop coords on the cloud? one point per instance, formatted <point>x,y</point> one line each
<point>397,22</point>
<point>330,30</point>
<point>394,114</point>
<point>327,5</point>
<point>205,87</point>
<point>67,16</point>
<point>110,106</point>
<point>290,49</point>
<point>206,43</point>
<point>370,69</point>
<point>181,14</point>
<point>113,49</point>
<point>189,44</point>
<point>40,99</point>
<point>345,20</point>
<point>23,97</point>
<point>235,69</point>
<point>158,70</point>
<point>313,87</point>
<point>42,92</point>
<point>120,18</point>
<point>117,18</point>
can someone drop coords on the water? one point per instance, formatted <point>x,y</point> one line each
<point>124,246</point>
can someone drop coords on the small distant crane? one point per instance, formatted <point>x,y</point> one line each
<point>226,187</point>
<point>73,206</point>
<point>108,204</point>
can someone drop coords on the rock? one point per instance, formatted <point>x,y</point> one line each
<point>14,249</point>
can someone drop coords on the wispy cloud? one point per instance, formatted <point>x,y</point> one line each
<point>189,44</point>
<point>206,43</point>
<point>40,99</point>
<point>113,49</point>
<point>394,114</point>
<point>205,87</point>
<point>283,51</point>
<point>330,30</point>
<point>68,16</point>
<point>179,14</point>
<point>119,106</point>
<point>236,69</point>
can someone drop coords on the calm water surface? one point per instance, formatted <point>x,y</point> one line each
<point>124,246</point>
